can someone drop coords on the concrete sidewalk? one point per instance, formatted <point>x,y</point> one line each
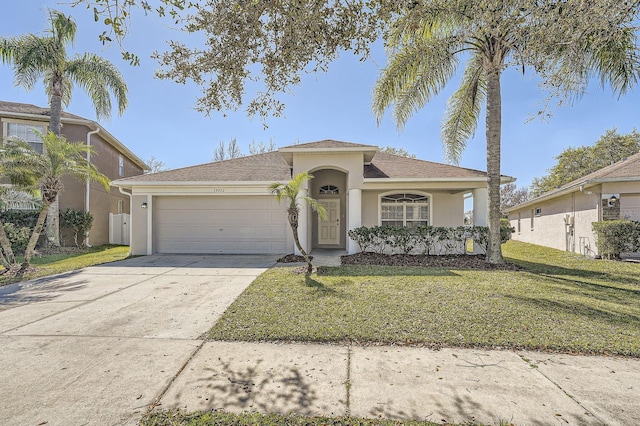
<point>102,345</point>
<point>449,385</point>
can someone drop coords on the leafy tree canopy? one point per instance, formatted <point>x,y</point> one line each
<point>511,195</point>
<point>271,43</point>
<point>574,163</point>
<point>397,151</point>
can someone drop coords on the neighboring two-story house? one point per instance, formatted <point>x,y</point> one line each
<point>110,156</point>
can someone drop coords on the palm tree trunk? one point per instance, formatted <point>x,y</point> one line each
<point>7,252</point>
<point>293,222</point>
<point>55,114</point>
<point>493,134</point>
<point>53,224</point>
<point>31,245</point>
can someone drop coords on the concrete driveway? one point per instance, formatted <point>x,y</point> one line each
<point>63,338</point>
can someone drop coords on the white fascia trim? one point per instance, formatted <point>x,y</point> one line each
<point>573,188</point>
<point>405,180</point>
<point>551,195</point>
<point>130,183</point>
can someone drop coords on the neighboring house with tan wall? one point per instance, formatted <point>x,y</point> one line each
<point>110,157</point>
<point>226,206</point>
<point>562,218</point>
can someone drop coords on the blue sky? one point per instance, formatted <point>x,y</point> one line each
<point>161,121</point>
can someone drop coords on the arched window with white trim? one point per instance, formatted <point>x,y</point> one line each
<point>404,209</point>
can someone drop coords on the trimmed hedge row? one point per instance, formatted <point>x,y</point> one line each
<point>617,236</point>
<point>428,240</point>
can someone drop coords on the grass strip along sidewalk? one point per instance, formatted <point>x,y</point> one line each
<point>559,302</point>
<point>43,266</point>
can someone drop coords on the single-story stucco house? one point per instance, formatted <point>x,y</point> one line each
<point>226,206</point>
<point>562,218</point>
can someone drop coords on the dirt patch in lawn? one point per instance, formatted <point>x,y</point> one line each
<point>293,258</point>
<point>457,261</point>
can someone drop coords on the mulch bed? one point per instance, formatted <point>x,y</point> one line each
<point>457,261</point>
<point>292,258</point>
<point>52,250</point>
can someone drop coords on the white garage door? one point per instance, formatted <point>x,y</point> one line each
<point>221,224</point>
<point>630,207</point>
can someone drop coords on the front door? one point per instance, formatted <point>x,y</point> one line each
<point>329,229</point>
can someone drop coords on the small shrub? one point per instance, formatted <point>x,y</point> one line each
<point>506,230</point>
<point>401,238</point>
<point>18,236</point>
<point>616,236</point>
<point>363,237</point>
<point>20,218</point>
<point>480,236</point>
<point>79,222</point>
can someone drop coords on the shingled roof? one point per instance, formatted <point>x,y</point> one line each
<point>397,167</point>
<point>625,170</point>
<point>273,167</point>
<point>19,108</point>
<point>267,167</point>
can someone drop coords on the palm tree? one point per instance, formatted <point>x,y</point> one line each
<point>45,57</point>
<point>292,191</point>
<point>26,167</point>
<point>425,44</point>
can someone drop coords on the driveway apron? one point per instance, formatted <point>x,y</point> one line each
<point>99,345</point>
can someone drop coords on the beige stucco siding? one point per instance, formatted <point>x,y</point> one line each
<point>350,163</point>
<point>552,227</point>
<point>101,201</point>
<point>139,224</point>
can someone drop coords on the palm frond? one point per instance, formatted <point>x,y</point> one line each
<point>99,78</point>
<point>463,109</point>
<point>316,207</point>
<point>414,75</point>
<point>63,28</point>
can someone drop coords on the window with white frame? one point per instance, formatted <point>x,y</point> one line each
<point>28,133</point>
<point>329,189</point>
<point>404,209</point>
<point>121,165</point>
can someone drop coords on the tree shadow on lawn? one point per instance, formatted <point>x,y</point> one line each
<point>553,271</point>
<point>579,309</point>
<point>322,289</point>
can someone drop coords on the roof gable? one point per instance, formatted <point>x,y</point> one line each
<point>329,144</point>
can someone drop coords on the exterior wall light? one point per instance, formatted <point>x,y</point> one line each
<point>143,205</point>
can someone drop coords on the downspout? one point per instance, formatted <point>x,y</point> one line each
<point>88,182</point>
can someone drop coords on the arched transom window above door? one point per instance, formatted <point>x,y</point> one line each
<point>404,209</point>
<point>329,189</point>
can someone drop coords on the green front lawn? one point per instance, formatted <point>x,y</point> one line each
<point>560,302</point>
<point>58,263</point>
